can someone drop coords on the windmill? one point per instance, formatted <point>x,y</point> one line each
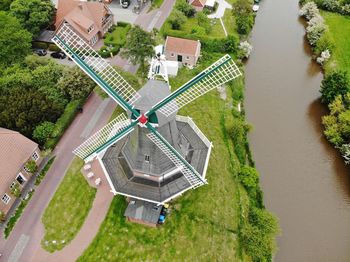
<point>151,153</point>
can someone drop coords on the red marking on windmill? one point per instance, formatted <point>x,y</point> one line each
<point>143,119</point>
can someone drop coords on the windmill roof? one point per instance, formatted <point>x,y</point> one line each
<point>181,45</point>
<point>15,150</point>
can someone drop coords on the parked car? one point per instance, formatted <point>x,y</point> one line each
<point>125,3</point>
<point>59,55</point>
<point>40,52</point>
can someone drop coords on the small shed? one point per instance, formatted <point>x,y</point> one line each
<point>143,212</point>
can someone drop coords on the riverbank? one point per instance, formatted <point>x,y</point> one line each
<point>304,179</point>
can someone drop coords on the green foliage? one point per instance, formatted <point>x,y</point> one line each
<point>2,216</point>
<point>334,84</point>
<point>63,122</point>
<point>117,37</point>
<point>204,21</point>
<point>324,43</point>
<point>249,177</point>
<point>244,24</point>
<point>139,46</point>
<point>43,132</point>
<point>68,208</point>
<point>34,15</point>
<point>75,84</point>
<point>337,123</point>
<point>5,5</point>
<point>256,243</point>
<point>16,190</point>
<point>176,19</point>
<point>53,48</point>
<point>13,220</point>
<point>34,61</point>
<point>184,7</point>
<point>31,166</point>
<point>14,40</point>
<point>43,172</point>
<point>264,220</point>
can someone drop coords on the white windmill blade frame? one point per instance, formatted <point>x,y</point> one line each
<point>192,176</point>
<point>219,73</point>
<point>73,45</point>
<point>89,149</point>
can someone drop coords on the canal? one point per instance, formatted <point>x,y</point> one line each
<point>304,180</point>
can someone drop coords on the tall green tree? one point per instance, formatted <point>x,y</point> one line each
<point>177,19</point>
<point>34,15</point>
<point>75,84</point>
<point>139,46</point>
<point>15,42</point>
<point>43,131</point>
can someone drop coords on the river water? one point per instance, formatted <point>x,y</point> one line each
<point>304,180</point>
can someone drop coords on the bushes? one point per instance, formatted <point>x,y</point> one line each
<point>32,166</point>
<point>54,48</point>
<point>334,84</point>
<point>187,9</point>
<point>176,19</point>
<point>244,24</point>
<point>244,16</point>
<point>249,177</point>
<point>43,131</point>
<point>245,49</point>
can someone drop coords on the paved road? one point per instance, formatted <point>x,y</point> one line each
<point>25,238</point>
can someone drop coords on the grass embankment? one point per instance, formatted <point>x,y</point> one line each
<point>13,220</point>
<point>339,33</point>
<point>203,222</point>
<point>68,208</point>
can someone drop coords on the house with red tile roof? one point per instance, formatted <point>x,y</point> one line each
<point>90,19</point>
<point>197,4</point>
<point>184,51</point>
<point>15,152</point>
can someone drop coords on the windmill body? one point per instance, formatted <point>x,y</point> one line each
<point>151,154</point>
<point>137,167</point>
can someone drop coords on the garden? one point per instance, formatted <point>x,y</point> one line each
<point>115,39</point>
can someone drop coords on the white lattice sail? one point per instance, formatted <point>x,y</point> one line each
<point>95,66</point>
<point>219,73</point>
<point>105,137</point>
<point>192,176</point>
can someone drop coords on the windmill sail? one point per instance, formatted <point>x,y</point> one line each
<point>115,130</point>
<point>96,67</point>
<point>219,73</point>
<point>192,176</point>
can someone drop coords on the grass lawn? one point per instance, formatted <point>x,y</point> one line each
<point>229,22</point>
<point>68,208</point>
<point>203,223</point>
<point>339,31</point>
<point>118,35</point>
<point>186,29</point>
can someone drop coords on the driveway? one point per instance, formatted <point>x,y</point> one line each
<point>220,11</point>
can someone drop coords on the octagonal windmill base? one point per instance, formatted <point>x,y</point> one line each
<point>152,176</point>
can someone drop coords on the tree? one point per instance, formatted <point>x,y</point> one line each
<point>139,46</point>
<point>244,24</point>
<point>31,166</point>
<point>15,190</point>
<point>34,15</point>
<point>75,84</point>
<point>177,19</point>
<point>15,42</point>
<point>23,109</point>
<point>43,131</point>
<point>187,9</point>
<point>242,8</point>
<point>334,84</point>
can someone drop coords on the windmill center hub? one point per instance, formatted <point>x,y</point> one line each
<point>143,119</point>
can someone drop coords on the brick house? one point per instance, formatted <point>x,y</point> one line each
<point>15,152</point>
<point>184,51</point>
<point>91,20</point>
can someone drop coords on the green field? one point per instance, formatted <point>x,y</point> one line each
<point>203,223</point>
<point>339,32</point>
<point>68,208</point>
